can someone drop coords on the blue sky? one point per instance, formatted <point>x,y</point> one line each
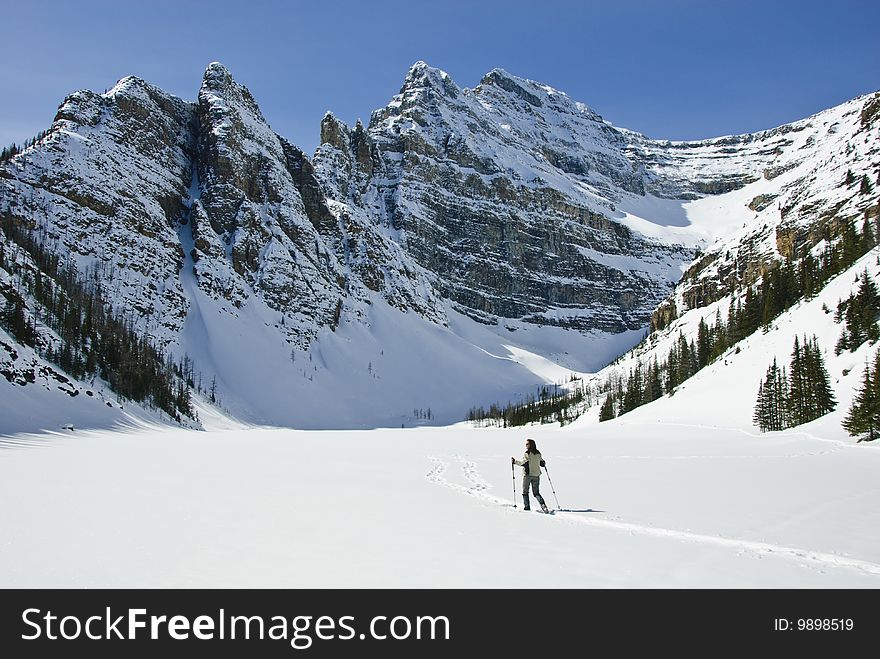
<point>673,69</point>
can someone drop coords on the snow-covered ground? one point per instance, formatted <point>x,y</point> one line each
<point>644,504</point>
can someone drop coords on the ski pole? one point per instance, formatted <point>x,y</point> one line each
<point>558,507</point>
<point>513,478</point>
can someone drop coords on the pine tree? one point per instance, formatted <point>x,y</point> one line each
<point>750,319</point>
<point>864,414</point>
<point>797,393</point>
<point>732,322</point>
<point>769,295</point>
<point>868,240</point>
<point>632,398</point>
<point>759,418</point>
<point>860,312</point>
<point>606,412</point>
<point>849,246</point>
<point>653,383</point>
<point>686,359</point>
<point>704,345</point>
<point>770,408</point>
<point>822,396</point>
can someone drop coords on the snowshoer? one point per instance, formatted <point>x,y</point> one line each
<point>531,464</point>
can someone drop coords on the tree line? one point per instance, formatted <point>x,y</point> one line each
<point>550,404</point>
<point>9,152</point>
<point>93,340</point>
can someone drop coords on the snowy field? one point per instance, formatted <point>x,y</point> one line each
<point>644,504</point>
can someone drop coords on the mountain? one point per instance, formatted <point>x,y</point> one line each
<point>505,194</point>
<point>802,243</point>
<point>465,246</point>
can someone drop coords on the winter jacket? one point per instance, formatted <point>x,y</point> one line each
<point>531,463</point>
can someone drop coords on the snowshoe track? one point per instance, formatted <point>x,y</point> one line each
<point>479,488</point>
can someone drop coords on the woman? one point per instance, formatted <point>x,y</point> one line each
<point>531,464</point>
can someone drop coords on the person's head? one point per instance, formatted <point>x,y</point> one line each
<point>531,447</point>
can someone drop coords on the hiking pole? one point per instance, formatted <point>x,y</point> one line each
<point>558,507</point>
<point>513,478</point>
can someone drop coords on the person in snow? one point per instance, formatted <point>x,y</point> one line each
<point>531,464</point>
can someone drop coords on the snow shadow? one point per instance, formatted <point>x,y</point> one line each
<point>656,210</point>
<point>12,442</point>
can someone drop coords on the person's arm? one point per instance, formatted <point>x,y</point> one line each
<point>522,462</point>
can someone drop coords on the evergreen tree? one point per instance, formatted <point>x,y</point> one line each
<point>864,414</point>
<point>860,313</point>
<point>632,398</point>
<point>769,294</point>
<point>759,418</point>
<point>849,246</point>
<point>704,343</point>
<point>868,239</point>
<point>770,413</point>
<point>798,386</point>
<point>718,337</point>
<point>822,399</point>
<point>653,383</point>
<point>783,401</point>
<point>733,321</point>
<point>807,275</point>
<point>606,412</point>
<point>804,395</point>
<point>750,319</point>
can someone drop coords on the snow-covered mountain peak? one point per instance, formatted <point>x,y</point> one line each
<point>535,93</point>
<point>521,87</point>
<point>217,69</point>
<point>217,76</point>
<point>334,132</point>
<point>220,89</point>
<point>132,86</point>
<point>422,81</point>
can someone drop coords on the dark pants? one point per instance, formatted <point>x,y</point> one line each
<point>535,482</point>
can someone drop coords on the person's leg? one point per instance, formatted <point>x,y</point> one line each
<point>536,486</point>
<point>525,492</point>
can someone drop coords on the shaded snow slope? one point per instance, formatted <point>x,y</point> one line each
<point>36,395</point>
<point>388,369</point>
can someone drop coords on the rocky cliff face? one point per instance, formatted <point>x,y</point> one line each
<point>143,188</point>
<point>105,188</point>
<point>505,195</point>
<point>251,229</point>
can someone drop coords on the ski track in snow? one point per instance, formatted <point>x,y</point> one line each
<point>479,488</point>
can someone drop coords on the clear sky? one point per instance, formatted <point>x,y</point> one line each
<point>676,69</point>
